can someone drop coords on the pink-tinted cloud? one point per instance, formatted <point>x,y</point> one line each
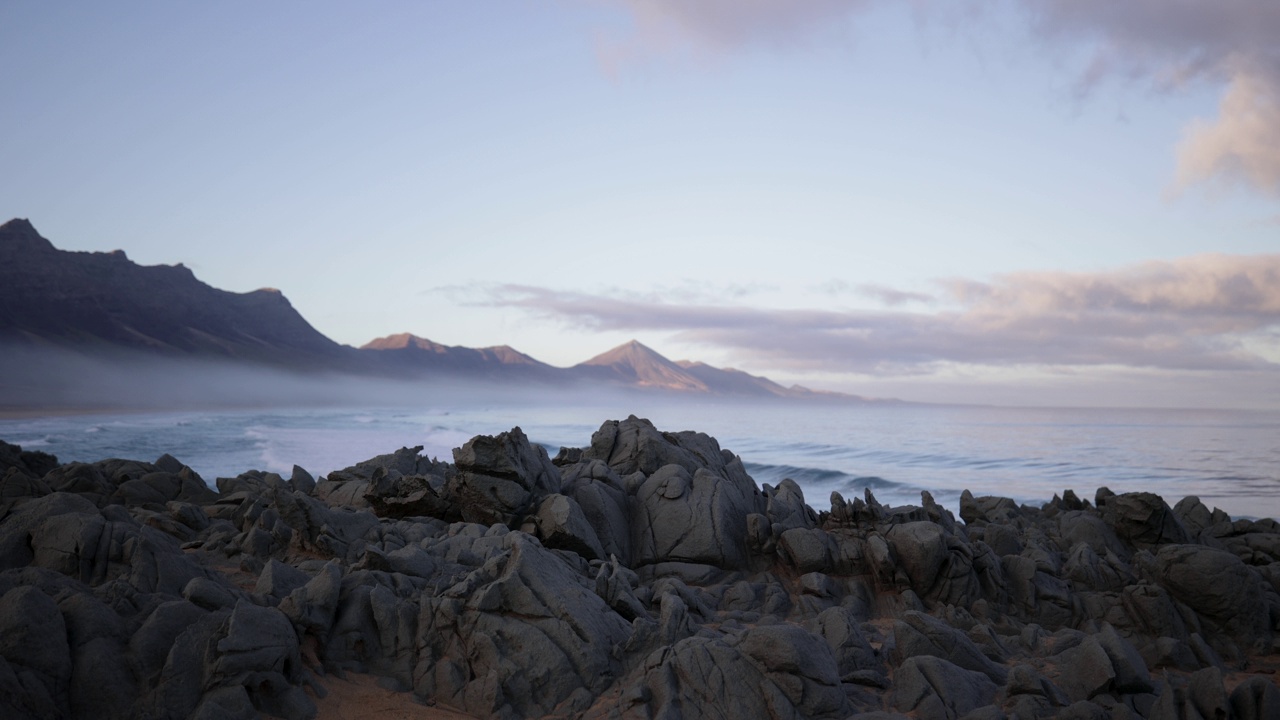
<point>1212,313</point>
<point>1243,144</point>
<point>1171,42</point>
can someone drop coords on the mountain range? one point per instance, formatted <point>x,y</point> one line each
<point>103,302</point>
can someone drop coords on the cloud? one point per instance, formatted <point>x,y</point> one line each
<point>1203,313</point>
<point>720,25</point>
<point>1243,144</point>
<point>1171,43</point>
<point>893,297</point>
<point>1174,43</point>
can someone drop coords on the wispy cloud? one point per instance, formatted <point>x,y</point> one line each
<point>1210,312</point>
<point>1173,43</point>
<point>720,25</point>
<point>1232,43</point>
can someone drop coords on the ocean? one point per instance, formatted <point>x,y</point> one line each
<point>1230,459</point>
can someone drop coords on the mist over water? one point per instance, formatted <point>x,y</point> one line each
<point>1228,458</point>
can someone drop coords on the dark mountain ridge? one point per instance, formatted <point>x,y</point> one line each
<point>104,300</point>
<point>100,304</point>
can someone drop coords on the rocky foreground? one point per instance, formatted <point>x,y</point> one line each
<point>644,576</point>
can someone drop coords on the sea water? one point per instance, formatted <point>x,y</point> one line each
<point>1230,459</point>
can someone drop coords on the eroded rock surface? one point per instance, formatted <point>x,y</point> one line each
<point>645,575</point>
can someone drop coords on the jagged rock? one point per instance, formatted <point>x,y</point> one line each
<point>205,593</point>
<point>615,585</point>
<point>500,477</point>
<point>635,445</point>
<point>854,657</point>
<point>603,499</point>
<point>102,684</point>
<point>934,688</point>
<point>302,481</point>
<point>648,576</point>
<point>800,665</point>
<point>697,517</point>
<point>523,631</point>
<point>1221,588</point>
<point>562,524</point>
<point>1131,671</point>
<point>312,606</point>
<point>31,463</point>
<point>33,640</point>
<point>1257,698</point>
<point>1143,519</point>
<point>986,508</point>
<point>917,634</point>
<point>278,579</point>
<point>1083,670</point>
<point>258,650</point>
<point>808,549</point>
<point>787,509</point>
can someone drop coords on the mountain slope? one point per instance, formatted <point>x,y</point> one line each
<point>635,364</point>
<point>727,381</point>
<point>78,299</point>
<point>100,304</point>
<point>412,354</point>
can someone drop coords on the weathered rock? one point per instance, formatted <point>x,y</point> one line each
<point>787,509</point>
<point>917,634</point>
<point>934,688</point>
<point>302,481</point>
<point>854,657</point>
<point>920,549</point>
<point>1083,670</point>
<point>523,631</point>
<point>1221,588</point>
<point>1257,698</point>
<point>697,518</point>
<point>278,579</point>
<point>1143,519</point>
<point>561,524</point>
<point>500,477</point>
<point>800,665</point>
<point>312,606</point>
<point>1130,669</point>
<point>649,577</point>
<point>603,499</point>
<point>31,463</point>
<point>102,685</point>
<point>33,638</point>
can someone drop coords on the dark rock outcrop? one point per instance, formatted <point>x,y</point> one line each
<point>643,576</point>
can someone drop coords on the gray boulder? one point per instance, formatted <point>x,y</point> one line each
<point>917,634</point>
<point>523,632</point>
<point>500,477</point>
<point>601,495</point>
<point>33,641</point>
<point>1221,588</point>
<point>931,687</point>
<point>786,507</point>
<point>1143,519</point>
<point>1257,698</point>
<point>561,524</point>
<point>697,517</point>
<point>799,664</point>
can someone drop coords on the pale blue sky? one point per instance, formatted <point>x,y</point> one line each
<point>401,167</point>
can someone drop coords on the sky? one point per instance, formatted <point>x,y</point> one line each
<point>1024,202</point>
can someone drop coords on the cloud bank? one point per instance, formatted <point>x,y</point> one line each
<point>1203,313</point>
<point>1232,43</point>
